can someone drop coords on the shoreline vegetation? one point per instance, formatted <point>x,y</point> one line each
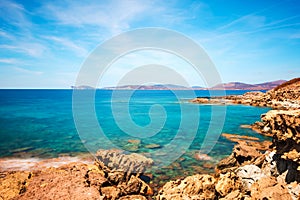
<point>254,170</point>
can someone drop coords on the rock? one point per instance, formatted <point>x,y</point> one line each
<point>110,192</point>
<point>24,149</point>
<point>294,190</point>
<point>118,161</point>
<point>227,183</point>
<point>268,188</point>
<point>269,165</point>
<point>13,183</point>
<point>249,174</point>
<point>284,126</point>
<point>66,182</point>
<point>242,154</point>
<point>138,142</point>
<point>152,146</point>
<point>226,164</point>
<point>248,141</point>
<point>200,100</point>
<point>202,156</point>
<point>131,147</point>
<point>235,137</point>
<point>133,197</point>
<point>234,195</point>
<point>134,186</point>
<point>192,187</point>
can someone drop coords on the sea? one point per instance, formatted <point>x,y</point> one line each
<point>161,124</point>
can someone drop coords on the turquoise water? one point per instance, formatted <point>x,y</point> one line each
<point>39,123</point>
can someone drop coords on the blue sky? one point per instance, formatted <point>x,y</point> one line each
<point>44,43</point>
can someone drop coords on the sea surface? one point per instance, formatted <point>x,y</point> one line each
<point>40,124</point>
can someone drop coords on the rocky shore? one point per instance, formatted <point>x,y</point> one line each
<point>284,97</point>
<point>254,170</point>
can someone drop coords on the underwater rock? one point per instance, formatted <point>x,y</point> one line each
<point>202,156</point>
<point>138,142</point>
<point>152,146</point>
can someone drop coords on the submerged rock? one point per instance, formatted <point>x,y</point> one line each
<point>152,146</point>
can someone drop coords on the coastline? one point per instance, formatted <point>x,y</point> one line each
<point>254,170</point>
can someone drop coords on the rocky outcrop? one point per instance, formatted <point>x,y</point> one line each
<point>285,96</point>
<point>118,161</point>
<point>192,187</point>
<point>114,175</point>
<point>13,183</point>
<point>284,127</point>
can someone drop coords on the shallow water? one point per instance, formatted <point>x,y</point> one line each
<point>39,124</point>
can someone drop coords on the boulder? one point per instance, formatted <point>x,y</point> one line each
<point>192,187</point>
<point>249,174</point>
<point>268,188</point>
<point>227,183</point>
<point>118,161</point>
<point>13,183</point>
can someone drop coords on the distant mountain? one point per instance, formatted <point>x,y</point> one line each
<point>226,86</point>
<point>245,86</point>
<point>149,87</point>
<point>82,87</point>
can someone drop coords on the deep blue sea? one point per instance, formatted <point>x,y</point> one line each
<point>39,123</point>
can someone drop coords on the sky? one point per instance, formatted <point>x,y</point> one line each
<point>43,44</point>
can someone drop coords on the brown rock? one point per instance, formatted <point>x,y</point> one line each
<point>133,197</point>
<point>235,195</point>
<point>110,192</point>
<point>118,161</point>
<point>135,141</point>
<point>227,183</point>
<point>66,182</point>
<point>13,183</point>
<point>152,146</point>
<point>192,187</point>
<point>268,188</point>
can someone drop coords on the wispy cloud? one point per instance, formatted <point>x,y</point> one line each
<point>70,45</point>
<point>112,15</point>
<point>6,35</point>
<point>27,71</point>
<point>31,49</point>
<point>14,14</point>
<point>9,61</point>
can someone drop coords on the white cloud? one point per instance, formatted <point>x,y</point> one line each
<point>114,16</point>
<point>80,51</point>
<point>8,60</point>
<point>31,49</point>
<point>6,35</point>
<point>27,71</point>
<point>14,14</point>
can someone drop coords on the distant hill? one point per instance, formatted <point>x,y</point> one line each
<point>82,87</point>
<point>289,90</point>
<point>245,86</point>
<point>226,86</point>
<point>149,87</point>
